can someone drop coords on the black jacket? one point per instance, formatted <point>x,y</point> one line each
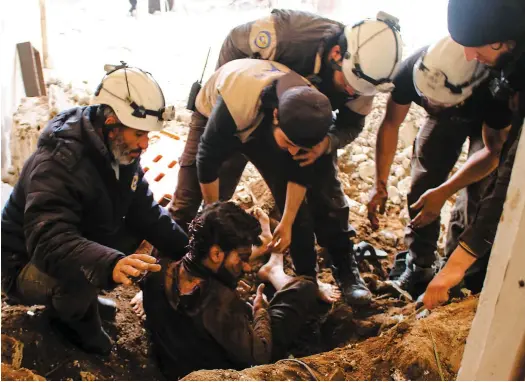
<point>479,235</point>
<point>70,215</point>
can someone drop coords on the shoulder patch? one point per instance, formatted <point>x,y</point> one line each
<point>263,39</point>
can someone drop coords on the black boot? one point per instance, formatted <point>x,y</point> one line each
<point>86,333</point>
<point>350,282</point>
<point>107,308</point>
<point>415,279</point>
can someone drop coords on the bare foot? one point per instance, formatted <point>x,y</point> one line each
<point>274,265</point>
<point>327,292</point>
<point>137,306</point>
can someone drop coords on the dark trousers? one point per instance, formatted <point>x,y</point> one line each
<point>289,310</point>
<point>69,300</point>
<point>436,149</point>
<point>324,214</point>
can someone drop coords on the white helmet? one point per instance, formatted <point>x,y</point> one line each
<point>374,50</point>
<point>135,96</point>
<point>443,75</point>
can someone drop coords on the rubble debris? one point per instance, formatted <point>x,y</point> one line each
<point>10,373</point>
<point>12,351</point>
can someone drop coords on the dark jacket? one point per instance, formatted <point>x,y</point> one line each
<point>70,215</point>
<point>290,37</point>
<point>478,237</point>
<point>210,328</point>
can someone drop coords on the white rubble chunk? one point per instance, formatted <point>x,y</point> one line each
<point>367,170</point>
<point>404,185</point>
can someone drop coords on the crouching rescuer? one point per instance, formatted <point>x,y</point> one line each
<point>82,206</point>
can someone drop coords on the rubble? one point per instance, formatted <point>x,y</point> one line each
<point>12,351</point>
<point>32,116</point>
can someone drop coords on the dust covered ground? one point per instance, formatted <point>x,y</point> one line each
<point>383,341</point>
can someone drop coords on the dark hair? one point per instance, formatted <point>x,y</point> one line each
<point>224,224</point>
<point>335,39</point>
<point>343,43</point>
<point>269,99</point>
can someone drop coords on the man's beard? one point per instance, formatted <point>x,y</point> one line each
<point>121,151</point>
<point>227,277</point>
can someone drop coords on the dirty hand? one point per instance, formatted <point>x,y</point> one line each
<point>310,156</point>
<point>282,237</point>
<point>134,265</point>
<point>260,301</point>
<point>243,289</point>
<point>377,200</point>
<point>430,204</point>
<point>438,289</point>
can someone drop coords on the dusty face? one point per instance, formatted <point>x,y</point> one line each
<point>281,139</point>
<point>487,54</point>
<point>342,85</point>
<point>236,262</point>
<point>284,143</point>
<point>127,144</point>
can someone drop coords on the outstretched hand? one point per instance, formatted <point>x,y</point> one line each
<point>260,301</point>
<point>133,266</point>
<point>377,203</point>
<point>430,203</point>
<point>437,292</point>
<point>282,237</point>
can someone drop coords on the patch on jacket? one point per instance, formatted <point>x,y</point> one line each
<point>134,182</point>
<point>263,39</point>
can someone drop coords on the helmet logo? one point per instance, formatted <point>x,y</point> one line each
<point>263,39</point>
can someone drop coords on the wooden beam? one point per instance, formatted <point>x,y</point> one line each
<point>495,347</point>
<point>31,67</point>
<point>43,28</point>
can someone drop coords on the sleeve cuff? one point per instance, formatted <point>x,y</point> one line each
<point>465,246</point>
<point>475,243</point>
<point>206,175</point>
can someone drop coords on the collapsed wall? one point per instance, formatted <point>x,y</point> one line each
<point>31,117</point>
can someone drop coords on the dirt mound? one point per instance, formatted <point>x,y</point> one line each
<point>9,373</point>
<point>406,351</point>
<point>55,358</point>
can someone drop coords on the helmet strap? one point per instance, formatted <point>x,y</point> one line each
<point>357,67</point>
